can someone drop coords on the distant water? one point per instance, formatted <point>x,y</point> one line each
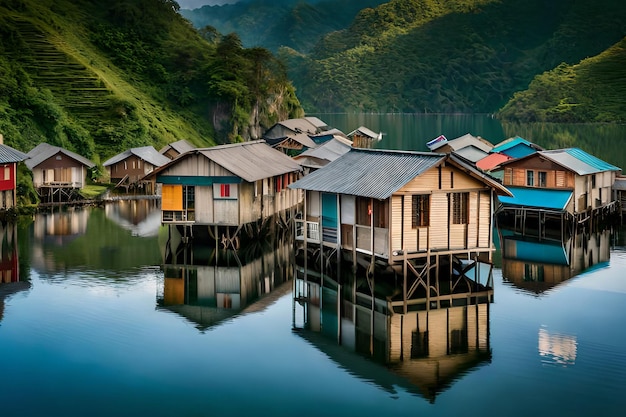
<point>412,131</point>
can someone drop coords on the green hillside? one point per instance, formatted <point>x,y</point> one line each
<point>592,91</point>
<point>101,76</point>
<point>272,24</point>
<point>449,55</point>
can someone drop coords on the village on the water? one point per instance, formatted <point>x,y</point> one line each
<point>428,220</point>
<point>399,244</point>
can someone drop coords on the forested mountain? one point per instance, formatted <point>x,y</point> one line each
<point>272,24</point>
<point>592,91</point>
<point>449,55</point>
<point>101,76</point>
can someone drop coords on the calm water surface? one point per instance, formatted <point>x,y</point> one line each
<point>90,325</point>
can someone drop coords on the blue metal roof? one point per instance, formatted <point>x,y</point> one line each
<point>510,143</point>
<point>578,161</point>
<point>537,197</point>
<point>546,252</point>
<point>518,151</point>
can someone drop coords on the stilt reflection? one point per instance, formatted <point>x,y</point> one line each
<point>208,285</point>
<point>424,348</point>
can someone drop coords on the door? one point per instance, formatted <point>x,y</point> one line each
<point>329,217</point>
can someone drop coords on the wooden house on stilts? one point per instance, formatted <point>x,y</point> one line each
<point>425,217</point>
<point>224,191</point>
<point>556,192</point>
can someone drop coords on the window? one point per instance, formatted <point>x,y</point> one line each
<point>189,197</point>
<point>593,181</point>
<point>224,190</point>
<point>542,177</point>
<point>420,210</point>
<point>460,208</point>
<point>365,209</point>
<point>7,173</point>
<point>530,178</point>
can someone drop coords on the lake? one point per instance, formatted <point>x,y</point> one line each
<point>103,314</point>
<point>412,131</point>
<point>97,319</point>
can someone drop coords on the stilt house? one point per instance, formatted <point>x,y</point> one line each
<point>9,158</point>
<point>57,173</point>
<point>409,210</point>
<point>130,167</point>
<point>552,189</point>
<point>227,186</point>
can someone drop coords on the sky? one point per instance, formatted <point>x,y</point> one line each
<point>194,4</point>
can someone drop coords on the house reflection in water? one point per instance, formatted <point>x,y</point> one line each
<point>142,217</point>
<point>423,350</point>
<point>9,264</point>
<point>557,349</point>
<point>537,265</point>
<point>208,285</point>
<point>61,226</point>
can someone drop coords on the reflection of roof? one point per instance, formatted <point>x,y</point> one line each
<point>424,377</point>
<point>492,160</point>
<point>9,288</point>
<point>545,252</point>
<point>537,197</point>
<point>44,151</point>
<point>145,153</point>
<point>578,161</point>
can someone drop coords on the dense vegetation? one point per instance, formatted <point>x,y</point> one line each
<point>449,55</point>
<point>272,24</point>
<point>100,76</point>
<point>592,91</point>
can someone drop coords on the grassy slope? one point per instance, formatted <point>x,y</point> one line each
<point>67,92</point>
<point>590,91</point>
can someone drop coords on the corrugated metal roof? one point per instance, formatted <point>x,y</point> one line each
<point>9,155</point>
<point>464,141</point>
<point>537,197</point>
<point>369,173</point>
<point>511,142</point>
<point>471,153</point>
<point>619,184</point>
<point>315,121</point>
<point>329,151</point>
<point>300,125</point>
<point>251,161</point>
<point>365,132</point>
<point>180,146</point>
<point>578,161</point>
<point>44,151</point>
<point>145,153</point>
<point>492,160</point>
